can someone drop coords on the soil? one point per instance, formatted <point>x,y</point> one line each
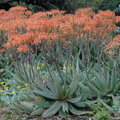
<point>8,113</point>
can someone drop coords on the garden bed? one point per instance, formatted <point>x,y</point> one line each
<point>59,66</point>
<point>8,113</point>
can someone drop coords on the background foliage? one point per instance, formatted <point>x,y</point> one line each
<point>68,5</point>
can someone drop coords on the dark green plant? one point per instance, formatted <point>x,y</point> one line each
<point>96,4</point>
<point>39,5</point>
<point>102,115</point>
<point>117,10</point>
<point>105,110</point>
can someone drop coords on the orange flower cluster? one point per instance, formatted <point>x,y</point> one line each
<point>2,50</point>
<point>113,46</point>
<point>23,28</point>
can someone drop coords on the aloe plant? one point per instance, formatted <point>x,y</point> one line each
<point>64,97</point>
<point>104,80</point>
<point>62,91</point>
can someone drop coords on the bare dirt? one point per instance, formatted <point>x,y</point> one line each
<point>8,113</point>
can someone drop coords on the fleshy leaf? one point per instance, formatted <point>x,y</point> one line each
<point>52,110</point>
